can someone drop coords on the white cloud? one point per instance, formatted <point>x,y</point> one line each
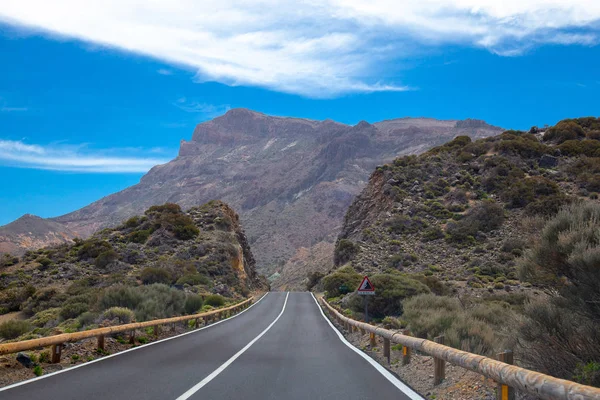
<point>208,110</point>
<point>71,158</point>
<point>316,48</point>
<point>163,71</point>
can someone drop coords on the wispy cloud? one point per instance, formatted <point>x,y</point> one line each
<point>73,158</point>
<point>208,110</point>
<point>317,48</point>
<point>163,71</point>
<point>13,109</point>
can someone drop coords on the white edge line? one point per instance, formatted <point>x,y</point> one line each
<point>217,371</point>
<point>382,370</point>
<point>126,351</point>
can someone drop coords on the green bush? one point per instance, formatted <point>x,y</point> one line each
<point>402,224</point>
<point>122,314</point>
<point>484,217</point>
<point>73,310</point>
<point>139,236</point>
<point>92,248</point>
<point>476,329</point>
<point>13,328</point>
<point>170,217</point>
<point>105,258</point>
<point>193,279</point>
<point>159,301</point>
<point>193,303</point>
<point>345,250</point>
<point>45,357</point>
<point>433,233</point>
<point>214,300</point>
<point>390,291</point>
<point>313,278</point>
<point>152,275</point>
<point>345,276</point>
<point>38,371</point>
<point>563,131</point>
<point>121,296</point>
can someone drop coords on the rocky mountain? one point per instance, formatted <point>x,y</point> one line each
<point>291,179</point>
<point>165,262</point>
<point>32,232</point>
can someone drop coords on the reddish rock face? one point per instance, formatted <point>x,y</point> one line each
<point>291,179</point>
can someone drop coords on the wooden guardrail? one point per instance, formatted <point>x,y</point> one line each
<point>508,376</point>
<point>57,341</point>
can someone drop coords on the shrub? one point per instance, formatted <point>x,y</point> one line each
<point>105,258</point>
<point>122,314</point>
<point>313,278</point>
<point>193,279</point>
<point>170,217</point>
<point>345,276</point>
<point>13,328</point>
<point>401,224</point>
<point>139,236</point>
<point>73,310</point>
<point>484,217</point>
<point>45,357</point>
<point>567,257</point>
<point>390,290</point>
<point>345,250</point>
<point>152,275</point>
<point>214,300</point>
<point>159,301</point>
<point>476,329</point>
<point>193,303</point>
<point>38,371</point>
<point>557,341</point>
<point>132,222</point>
<point>121,296</point>
<point>87,318</point>
<point>563,131</point>
<point>92,248</point>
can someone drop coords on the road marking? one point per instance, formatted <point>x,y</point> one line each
<point>387,374</point>
<point>126,351</point>
<point>227,363</point>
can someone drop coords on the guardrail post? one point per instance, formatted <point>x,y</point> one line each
<point>205,318</point>
<point>405,350</point>
<point>197,324</point>
<point>372,340</point>
<point>505,392</point>
<point>56,352</point>
<point>132,337</point>
<point>156,330</point>
<point>386,349</point>
<point>439,364</point>
<point>101,342</point>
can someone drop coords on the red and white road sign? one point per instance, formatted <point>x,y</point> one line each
<point>366,287</point>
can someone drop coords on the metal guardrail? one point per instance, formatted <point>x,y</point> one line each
<point>57,341</point>
<point>544,386</point>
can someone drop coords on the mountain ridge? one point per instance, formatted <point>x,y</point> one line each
<point>291,179</point>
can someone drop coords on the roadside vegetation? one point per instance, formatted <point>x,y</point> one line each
<point>162,264</point>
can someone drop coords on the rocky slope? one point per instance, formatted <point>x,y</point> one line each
<point>463,212</point>
<point>291,179</point>
<point>32,232</point>
<point>201,252</point>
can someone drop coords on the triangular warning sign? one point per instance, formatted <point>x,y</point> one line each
<point>366,285</point>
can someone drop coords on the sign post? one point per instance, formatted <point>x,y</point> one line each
<point>366,288</point>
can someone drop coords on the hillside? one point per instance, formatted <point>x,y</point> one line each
<point>291,179</point>
<point>160,264</point>
<point>32,232</point>
<point>472,240</point>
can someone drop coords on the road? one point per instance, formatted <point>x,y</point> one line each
<point>280,348</point>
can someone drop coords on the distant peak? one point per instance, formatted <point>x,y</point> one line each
<point>242,112</point>
<point>363,124</point>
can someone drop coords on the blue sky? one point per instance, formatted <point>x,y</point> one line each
<point>87,107</point>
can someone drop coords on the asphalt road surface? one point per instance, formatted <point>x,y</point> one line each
<point>280,348</point>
